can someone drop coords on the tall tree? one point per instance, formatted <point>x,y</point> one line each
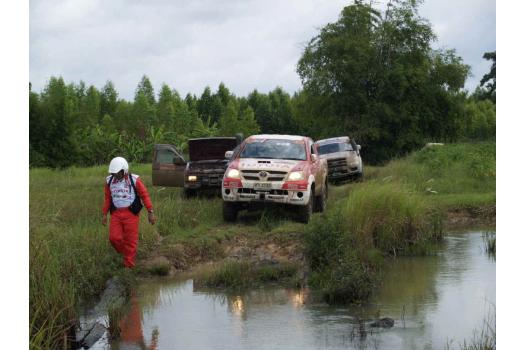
<point>204,104</point>
<point>165,108</point>
<point>108,99</point>
<point>145,88</point>
<point>488,82</point>
<point>229,123</point>
<point>378,79</point>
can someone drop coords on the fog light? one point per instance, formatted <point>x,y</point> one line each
<point>192,178</point>
<point>300,194</point>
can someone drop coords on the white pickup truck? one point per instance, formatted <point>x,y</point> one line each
<point>280,169</point>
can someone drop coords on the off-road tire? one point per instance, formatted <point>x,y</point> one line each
<point>320,200</point>
<point>306,211</point>
<point>189,193</point>
<point>229,211</point>
<point>359,177</point>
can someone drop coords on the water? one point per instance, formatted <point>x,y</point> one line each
<point>434,300</point>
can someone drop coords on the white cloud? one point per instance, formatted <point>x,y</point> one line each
<point>246,44</point>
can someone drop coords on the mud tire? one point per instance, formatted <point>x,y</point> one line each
<point>229,211</point>
<point>320,201</point>
<point>305,212</point>
<point>189,193</point>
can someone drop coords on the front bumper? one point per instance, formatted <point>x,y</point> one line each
<point>204,182</point>
<point>344,174</point>
<point>273,194</point>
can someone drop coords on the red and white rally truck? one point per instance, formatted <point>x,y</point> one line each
<point>281,169</point>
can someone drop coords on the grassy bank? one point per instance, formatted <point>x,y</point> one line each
<point>400,210</point>
<point>243,274</point>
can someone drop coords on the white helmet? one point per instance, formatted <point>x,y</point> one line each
<point>117,164</point>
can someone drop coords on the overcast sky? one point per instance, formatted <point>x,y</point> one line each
<point>247,44</point>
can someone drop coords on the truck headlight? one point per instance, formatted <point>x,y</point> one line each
<point>192,178</point>
<point>296,176</point>
<point>233,174</point>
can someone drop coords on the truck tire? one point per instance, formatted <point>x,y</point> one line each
<point>188,193</point>
<point>359,176</point>
<point>320,200</point>
<point>306,211</point>
<point>229,211</point>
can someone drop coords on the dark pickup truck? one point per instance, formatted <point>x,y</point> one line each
<point>204,169</point>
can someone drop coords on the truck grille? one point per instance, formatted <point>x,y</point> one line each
<point>271,175</point>
<point>337,165</point>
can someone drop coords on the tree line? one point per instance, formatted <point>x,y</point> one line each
<point>372,75</point>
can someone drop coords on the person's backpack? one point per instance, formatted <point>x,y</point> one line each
<point>136,206</point>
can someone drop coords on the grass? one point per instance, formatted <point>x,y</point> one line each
<point>70,255</point>
<point>397,210</point>
<point>244,274</point>
<point>453,176</point>
<point>484,339</point>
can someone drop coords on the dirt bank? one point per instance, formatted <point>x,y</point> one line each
<point>171,258</point>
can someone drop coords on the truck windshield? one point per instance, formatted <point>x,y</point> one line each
<point>334,147</point>
<point>275,149</point>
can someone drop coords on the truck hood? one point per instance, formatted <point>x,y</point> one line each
<point>270,164</point>
<point>212,148</point>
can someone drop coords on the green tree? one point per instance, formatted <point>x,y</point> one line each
<point>145,88</point>
<point>108,99</point>
<point>247,123</point>
<point>375,76</point>
<point>165,108</point>
<point>204,104</point>
<point>56,141</point>
<point>488,82</point>
<point>229,123</point>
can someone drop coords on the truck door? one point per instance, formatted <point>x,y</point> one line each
<point>168,166</point>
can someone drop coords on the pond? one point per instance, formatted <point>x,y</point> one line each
<point>434,301</point>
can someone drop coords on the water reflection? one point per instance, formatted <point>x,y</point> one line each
<point>432,300</point>
<point>131,334</point>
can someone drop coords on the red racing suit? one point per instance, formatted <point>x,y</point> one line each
<point>124,225</point>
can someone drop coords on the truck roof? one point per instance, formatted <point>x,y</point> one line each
<point>339,139</point>
<point>277,137</point>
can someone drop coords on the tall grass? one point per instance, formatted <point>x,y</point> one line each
<point>398,211</point>
<point>70,257</point>
<point>346,247</point>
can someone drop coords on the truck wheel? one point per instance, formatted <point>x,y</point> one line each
<point>359,176</point>
<point>229,211</point>
<point>321,200</point>
<point>306,211</point>
<point>188,193</point>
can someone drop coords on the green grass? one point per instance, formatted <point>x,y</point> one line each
<point>244,274</point>
<point>452,176</point>
<point>70,255</point>
<point>398,210</point>
<point>393,212</point>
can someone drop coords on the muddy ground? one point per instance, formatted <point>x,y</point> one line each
<point>170,259</point>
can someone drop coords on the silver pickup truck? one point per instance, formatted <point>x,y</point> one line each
<point>343,157</point>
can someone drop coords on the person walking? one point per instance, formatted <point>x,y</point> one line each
<point>125,195</point>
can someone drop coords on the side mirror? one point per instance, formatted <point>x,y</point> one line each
<point>314,157</point>
<point>228,154</point>
<point>358,147</point>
